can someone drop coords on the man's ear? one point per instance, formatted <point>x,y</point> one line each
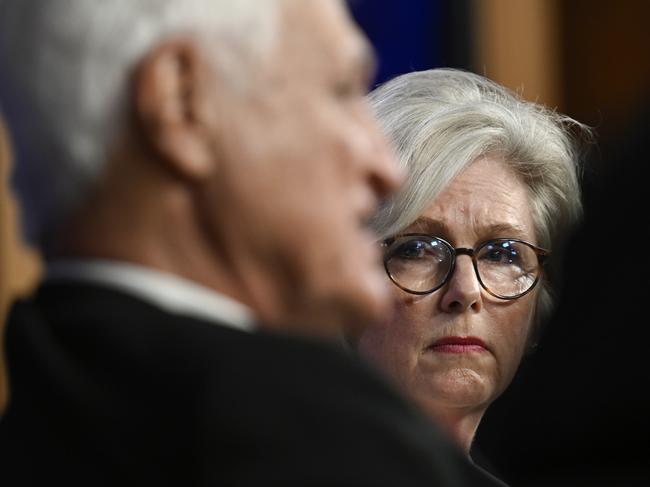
<point>172,108</point>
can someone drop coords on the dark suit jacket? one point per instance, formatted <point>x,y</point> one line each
<point>109,390</point>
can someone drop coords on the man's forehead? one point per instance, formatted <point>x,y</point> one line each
<point>327,26</point>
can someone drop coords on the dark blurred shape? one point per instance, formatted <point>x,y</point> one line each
<point>578,413</point>
<point>605,61</point>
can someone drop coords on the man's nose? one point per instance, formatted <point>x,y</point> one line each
<point>463,290</point>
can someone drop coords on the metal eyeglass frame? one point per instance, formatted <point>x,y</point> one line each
<point>542,256</point>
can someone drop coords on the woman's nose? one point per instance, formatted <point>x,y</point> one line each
<point>463,290</point>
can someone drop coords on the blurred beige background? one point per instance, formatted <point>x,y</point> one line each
<point>20,267</point>
<point>587,58</point>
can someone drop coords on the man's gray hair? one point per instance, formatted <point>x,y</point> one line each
<point>443,120</point>
<point>64,69</point>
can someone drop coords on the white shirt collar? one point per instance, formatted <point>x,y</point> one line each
<point>167,291</point>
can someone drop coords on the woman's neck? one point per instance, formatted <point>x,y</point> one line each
<point>459,423</point>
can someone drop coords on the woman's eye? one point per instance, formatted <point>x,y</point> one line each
<point>502,256</point>
<point>494,255</point>
<point>411,250</point>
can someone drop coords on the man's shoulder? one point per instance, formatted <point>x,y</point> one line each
<point>90,311</point>
<point>103,369</point>
<point>121,335</point>
<point>74,338</point>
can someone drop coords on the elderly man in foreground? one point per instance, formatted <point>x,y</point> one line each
<point>200,172</point>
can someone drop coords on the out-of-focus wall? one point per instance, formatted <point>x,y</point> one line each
<point>587,58</point>
<point>606,61</point>
<point>407,36</point>
<point>517,44</point>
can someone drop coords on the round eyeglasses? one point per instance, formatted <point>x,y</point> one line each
<point>421,264</point>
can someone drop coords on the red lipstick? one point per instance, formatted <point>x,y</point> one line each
<point>458,345</point>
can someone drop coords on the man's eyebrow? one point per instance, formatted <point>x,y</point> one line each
<point>361,63</point>
<point>367,60</point>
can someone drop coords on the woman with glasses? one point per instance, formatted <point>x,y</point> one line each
<point>470,242</point>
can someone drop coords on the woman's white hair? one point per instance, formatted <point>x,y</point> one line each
<point>443,120</point>
<point>65,65</point>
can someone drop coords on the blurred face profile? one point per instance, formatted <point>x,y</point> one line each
<point>457,348</point>
<point>303,166</point>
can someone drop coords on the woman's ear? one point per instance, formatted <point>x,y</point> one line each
<point>171,105</point>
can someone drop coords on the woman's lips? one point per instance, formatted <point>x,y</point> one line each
<point>458,345</point>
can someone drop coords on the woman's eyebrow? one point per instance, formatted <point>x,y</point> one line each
<point>505,229</point>
<point>429,225</point>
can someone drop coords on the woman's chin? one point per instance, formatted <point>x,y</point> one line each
<point>455,388</point>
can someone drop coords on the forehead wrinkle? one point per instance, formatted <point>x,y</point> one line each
<point>485,226</point>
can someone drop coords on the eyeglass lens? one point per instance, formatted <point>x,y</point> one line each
<point>422,264</point>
